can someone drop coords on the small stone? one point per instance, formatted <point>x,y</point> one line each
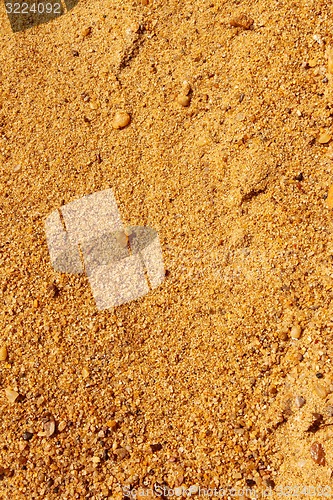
<point>299,177</point>
<point>96,460</point>
<point>296,332</point>
<point>237,475</point>
<point>85,372</point>
<point>85,97</point>
<point>184,100</point>
<point>299,401</point>
<point>203,141</point>
<point>283,335</point>
<point>324,138</point>
<point>49,426</point>
<point>75,53</point>
<point>242,21</point>
<point>318,39</point>
<point>53,290</point>
<point>319,375</point>
<point>62,426</point>
<point>186,88</point>
<point>36,303</point>
<point>41,477</point>
<point>27,436</point>
<point>122,238</point>
<point>22,446</point>
<point>122,453</point>
<point>312,63</point>
<point>321,390</point>
<point>86,31</point>
<point>299,356</point>
<point>120,120</point>
<point>113,425</point>
<point>317,453</point>
<point>3,353</point>
<point>155,447</point>
<point>11,395</point>
<point>329,199</point>
<point>269,482</point>
<point>273,390</point>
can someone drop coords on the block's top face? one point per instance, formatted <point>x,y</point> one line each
<point>89,217</point>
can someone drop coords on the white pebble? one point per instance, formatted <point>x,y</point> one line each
<point>299,401</point>
<point>296,332</point>
<point>11,395</point>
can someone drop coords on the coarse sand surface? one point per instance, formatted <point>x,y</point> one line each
<point>212,123</point>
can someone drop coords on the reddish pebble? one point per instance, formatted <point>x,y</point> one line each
<point>318,453</point>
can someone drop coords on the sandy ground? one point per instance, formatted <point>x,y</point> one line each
<point>200,383</point>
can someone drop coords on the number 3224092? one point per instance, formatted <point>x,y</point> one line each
<point>35,8</point>
<point>304,491</point>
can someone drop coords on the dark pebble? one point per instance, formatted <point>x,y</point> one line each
<point>156,447</point>
<point>270,483</point>
<point>75,53</point>
<point>27,436</point>
<point>319,375</point>
<point>250,482</point>
<point>53,290</point>
<point>299,177</point>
